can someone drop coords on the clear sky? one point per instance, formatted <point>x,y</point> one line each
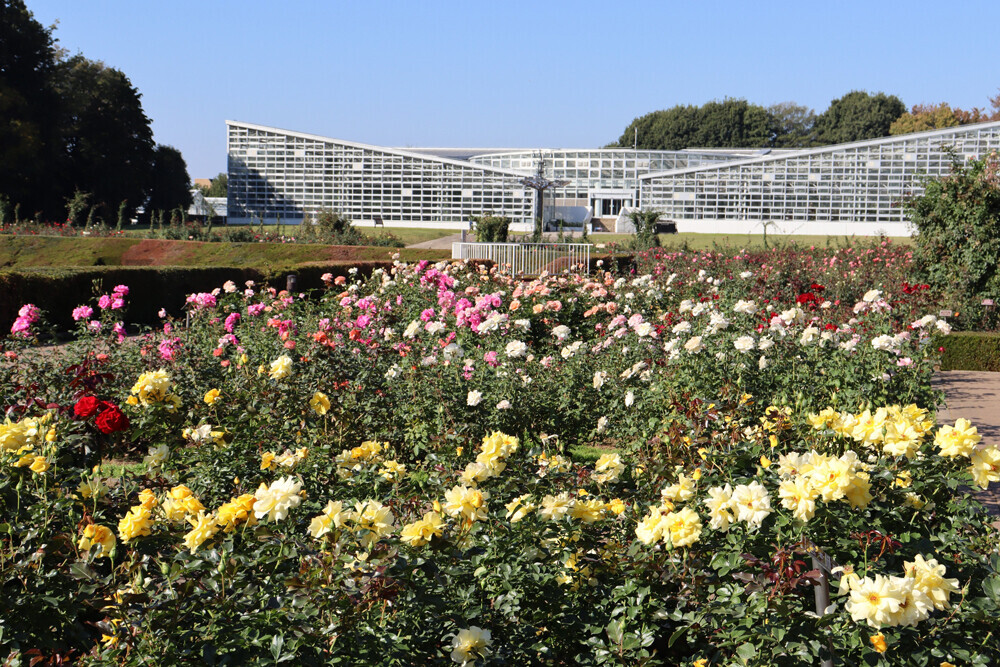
<point>507,73</point>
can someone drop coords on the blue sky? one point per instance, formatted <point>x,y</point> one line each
<point>511,73</point>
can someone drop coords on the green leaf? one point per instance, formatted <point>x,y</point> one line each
<point>277,642</point>
<point>746,651</point>
<point>615,630</point>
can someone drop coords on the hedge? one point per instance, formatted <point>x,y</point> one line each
<point>970,351</point>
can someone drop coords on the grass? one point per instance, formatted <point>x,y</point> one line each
<point>18,252</point>
<point>116,468</point>
<point>407,235</point>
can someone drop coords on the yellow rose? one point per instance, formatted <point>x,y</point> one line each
<point>134,524</point>
<point>99,536</point>
<point>878,642</point>
<point>211,396</point>
<point>40,465</point>
<point>204,527</point>
<point>320,403</point>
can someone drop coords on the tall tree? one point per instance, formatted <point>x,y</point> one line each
<point>933,116</point>
<point>925,117</point>
<point>796,124</point>
<point>731,123</point>
<point>219,186</point>
<point>106,138</point>
<point>27,106</point>
<point>857,116</point>
<point>170,185</point>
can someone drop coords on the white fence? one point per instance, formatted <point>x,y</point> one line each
<point>528,259</point>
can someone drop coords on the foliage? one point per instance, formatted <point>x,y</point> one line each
<point>933,116</point>
<point>106,137</point>
<point>857,116</point>
<point>925,117</point>
<point>169,183</point>
<point>490,228</point>
<point>731,123</point>
<point>795,125</point>
<point>644,222</point>
<point>219,186</point>
<point>68,123</point>
<point>28,111</point>
<point>970,351</point>
<point>336,229</point>
<point>75,206</point>
<point>378,474</point>
<point>958,232</point>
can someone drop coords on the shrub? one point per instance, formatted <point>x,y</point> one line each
<point>490,228</point>
<point>958,240</point>
<point>645,229</point>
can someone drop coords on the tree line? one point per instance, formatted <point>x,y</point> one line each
<point>74,139</point>
<point>736,123</point>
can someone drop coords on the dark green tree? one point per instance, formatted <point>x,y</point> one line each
<point>106,138</point>
<point>27,110</point>
<point>170,185</point>
<point>857,116</point>
<point>731,123</point>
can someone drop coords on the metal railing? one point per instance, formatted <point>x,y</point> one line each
<point>528,259</point>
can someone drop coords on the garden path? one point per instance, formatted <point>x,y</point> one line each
<point>974,395</point>
<point>443,243</point>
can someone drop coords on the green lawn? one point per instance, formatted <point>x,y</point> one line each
<point>409,236</point>
<point>18,252</point>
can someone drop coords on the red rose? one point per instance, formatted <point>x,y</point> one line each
<point>86,407</point>
<point>111,419</point>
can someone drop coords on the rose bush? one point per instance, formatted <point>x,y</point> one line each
<point>390,473</point>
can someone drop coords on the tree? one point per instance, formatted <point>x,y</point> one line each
<point>731,123</point>
<point>219,186</point>
<point>931,117</point>
<point>27,106</point>
<point>924,117</point>
<point>170,185</point>
<point>857,116</point>
<point>795,125</point>
<point>106,138</point>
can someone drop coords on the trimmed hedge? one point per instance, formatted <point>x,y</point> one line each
<point>970,351</point>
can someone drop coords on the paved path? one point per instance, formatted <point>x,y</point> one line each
<point>974,395</point>
<point>443,243</point>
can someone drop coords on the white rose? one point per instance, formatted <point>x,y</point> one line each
<point>599,379</point>
<point>694,345</point>
<point>516,348</point>
<point>474,397</point>
<point>561,332</point>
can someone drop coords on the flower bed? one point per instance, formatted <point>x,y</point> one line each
<point>384,475</point>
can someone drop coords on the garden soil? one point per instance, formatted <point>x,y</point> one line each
<point>974,395</point>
